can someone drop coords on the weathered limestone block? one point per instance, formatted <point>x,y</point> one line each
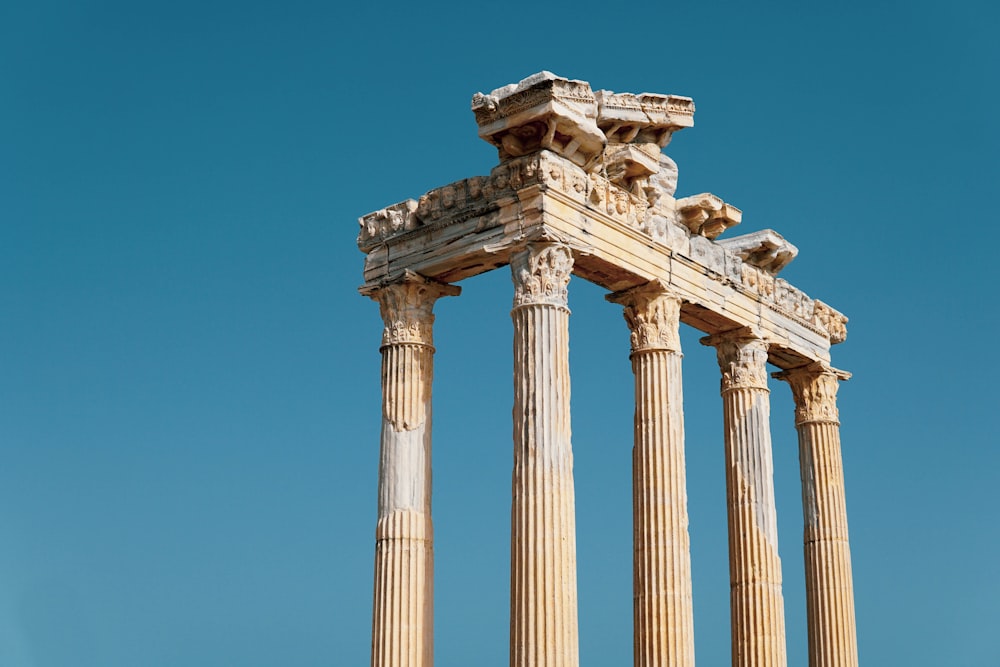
<point>403,609</point>
<point>757,607</point>
<point>663,613</point>
<point>792,300</point>
<point>630,165</point>
<point>708,254</point>
<point>766,249</point>
<point>387,222</point>
<point>645,118</point>
<point>661,186</point>
<point>707,215</point>
<point>543,615</point>
<point>829,582</point>
<point>830,319</point>
<point>543,111</point>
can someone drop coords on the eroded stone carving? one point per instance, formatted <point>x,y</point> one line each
<point>707,215</point>
<point>742,357</point>
<point>543,111</point>
<point>652,312</point>
<point>832,320</point>
<point>766,249</point>
<point>630,165</point>
<point>407,307</point>
<point>646,118</point>
<point>814,388</point>
<point>387,222</point>
<point>541,274</point>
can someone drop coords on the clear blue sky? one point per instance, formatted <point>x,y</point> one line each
<point>189,382</point>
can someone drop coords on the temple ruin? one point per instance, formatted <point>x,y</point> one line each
<point>583,188</point>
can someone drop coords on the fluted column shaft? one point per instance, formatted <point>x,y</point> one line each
<point>663,616</point>
<point>543,614</point>
<point>829,583</point>
<point>403,609</point>
<point>756,604</point>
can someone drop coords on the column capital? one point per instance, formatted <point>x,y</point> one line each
<point>406,303</point>
<point>742,355</point>
<point>541,274</point>
<point>814,387</point>
<point>652,312</point>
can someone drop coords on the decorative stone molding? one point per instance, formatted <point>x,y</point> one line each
<point>646,118</point>
<point>542,112</point>
<point>742,358</point>
<point>407,306</point>
<point>661,186</point>
<point>541,275</point>
<point>707,215</point>
<point>766,249</point>
<point>387,222</point>
<point>830,319</point>
<point>814,388</point>
<point>630,165</point>
<point>652,313</point>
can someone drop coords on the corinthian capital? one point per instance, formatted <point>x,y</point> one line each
<point>742,358</point>
<point>407,307</point>
<point>814,388</point>
<point>652,313</point>
<point>541,274</point>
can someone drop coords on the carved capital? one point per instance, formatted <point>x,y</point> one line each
<point>742,358</point>
<point>407,307</point>
<point>541,274</point>
<point>652,313</point>
<point>814,388</point>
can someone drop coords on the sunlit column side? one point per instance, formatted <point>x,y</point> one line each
<point>756,605</point>
<point>663,616</point>
<point>543,611</point>
<point>829,584</point>
<point>403,611</point>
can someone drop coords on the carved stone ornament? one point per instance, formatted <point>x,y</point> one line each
<point>830,319</point>
<point>707,215</point>
<point>389,221</point>
<point>814,388</point>
<point>652,313</point>
<point>407,307</point>
<point>544,111</point>
<point>742,358</point>
<point>663,184</point>
<point>644,118</point>
<point>541,275</point>
<point>766,249</point>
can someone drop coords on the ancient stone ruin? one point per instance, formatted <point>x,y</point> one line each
<point>583,188</point>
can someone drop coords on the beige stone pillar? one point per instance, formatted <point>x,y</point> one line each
<point>403,612</point>
<point>543,611</point>
<point>829,586</point>
<point>757,613</point>
<point>663,616</point>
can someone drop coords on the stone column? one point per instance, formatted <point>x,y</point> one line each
<point>829,587</point>
<point>662,613</point>
<point>403,612</point>
<point>543,611</point>
<point>756,606</point>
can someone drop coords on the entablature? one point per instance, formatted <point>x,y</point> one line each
<point>616,210</point>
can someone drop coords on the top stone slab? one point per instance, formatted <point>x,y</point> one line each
<point>549,112</point>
